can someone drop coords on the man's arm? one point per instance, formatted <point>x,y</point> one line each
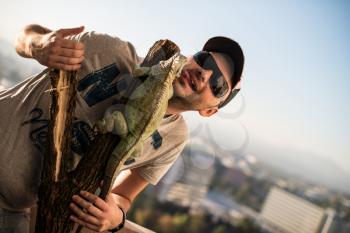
<point>127,186</point>
<point>51,48</point>
<point>99,215</point>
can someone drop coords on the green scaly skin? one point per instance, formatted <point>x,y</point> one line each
<point>143,114</point>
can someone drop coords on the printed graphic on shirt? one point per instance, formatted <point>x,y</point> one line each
<point>82,133</point>
<point>129,161</point>
<point>82,136</point>
<point>101,84</point>
<point>157,140</point>
<point>39,135</point>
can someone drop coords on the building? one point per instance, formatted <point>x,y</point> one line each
<point>188,180</point>
<point>284,212</point>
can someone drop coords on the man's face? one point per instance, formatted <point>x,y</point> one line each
<point>192,89</point>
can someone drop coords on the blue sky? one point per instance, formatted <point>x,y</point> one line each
<point>296,77</point>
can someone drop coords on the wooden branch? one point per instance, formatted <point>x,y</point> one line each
<point>55,167</point>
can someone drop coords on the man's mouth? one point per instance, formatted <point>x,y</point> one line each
<point>189,80</point>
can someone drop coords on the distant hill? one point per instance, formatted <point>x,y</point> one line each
<point>302,164</point>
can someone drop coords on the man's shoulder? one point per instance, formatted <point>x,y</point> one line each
<point>97,42</point>
<point>96,36</point>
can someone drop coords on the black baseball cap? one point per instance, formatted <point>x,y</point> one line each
<point>234,51</point>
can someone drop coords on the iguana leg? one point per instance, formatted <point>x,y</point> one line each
<point>113,123</point>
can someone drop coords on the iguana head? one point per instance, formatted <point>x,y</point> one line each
<point>150,100</point>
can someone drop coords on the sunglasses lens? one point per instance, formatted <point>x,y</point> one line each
<point>217,81</point>
<point>218,86</point>
<point>201,57</point>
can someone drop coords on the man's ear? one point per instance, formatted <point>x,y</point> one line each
<point>208,112</point>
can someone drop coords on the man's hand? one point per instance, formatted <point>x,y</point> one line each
<point>94,213</point>
<point>53,50</point>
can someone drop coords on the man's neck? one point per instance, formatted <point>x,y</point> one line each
<point>176,107</point>
<point>172,111</point>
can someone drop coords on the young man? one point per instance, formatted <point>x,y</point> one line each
<point>208,82</point>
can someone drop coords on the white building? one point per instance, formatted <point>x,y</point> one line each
<point>284,212</point>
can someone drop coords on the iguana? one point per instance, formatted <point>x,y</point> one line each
<point>142,115</point>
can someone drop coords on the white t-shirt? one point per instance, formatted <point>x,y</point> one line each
<point>103,78</point>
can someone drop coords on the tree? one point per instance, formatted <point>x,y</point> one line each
<point>180,221</point>
<point>197,224</point>
<point>219,229</point>
<point>247,226</point>
<point>165,224</point>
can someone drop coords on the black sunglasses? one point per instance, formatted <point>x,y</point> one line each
<point>217,82</point>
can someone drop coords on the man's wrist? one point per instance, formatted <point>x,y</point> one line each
<point>121,225</point>
<point>32,46</point>
<point>34,35</point>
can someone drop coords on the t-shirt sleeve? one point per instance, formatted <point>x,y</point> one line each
<point>175,137</point>
<point>103,50</point>
<point>154,171</point>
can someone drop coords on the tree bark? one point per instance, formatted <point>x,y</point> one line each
<point>58,184</point>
